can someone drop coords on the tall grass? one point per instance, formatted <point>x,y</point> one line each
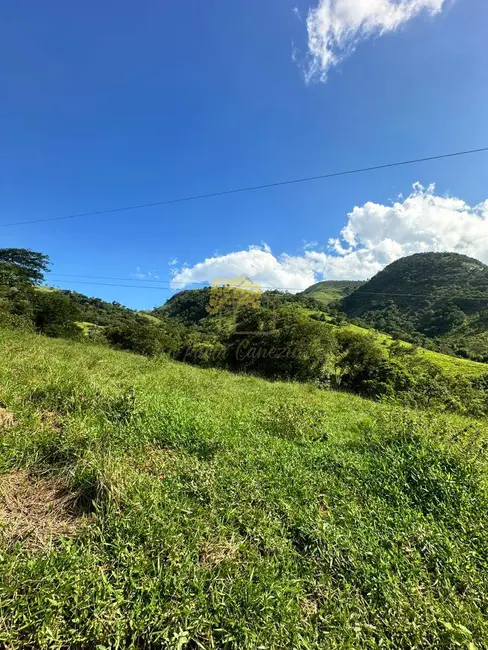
<point>230,512</point>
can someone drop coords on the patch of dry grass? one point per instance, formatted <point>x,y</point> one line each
<point>7,418</point>
<point>214,552</point>
<point>36,510</point>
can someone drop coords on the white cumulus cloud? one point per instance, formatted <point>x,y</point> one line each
<point>257,263</point>
<point>335,27</point>
<point>375,235</point>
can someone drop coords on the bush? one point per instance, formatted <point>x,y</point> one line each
<point>142,338</point>
<point>361,363</point>
<point>203,349</point>
<point>285,343</point>
<point>14,321</point>
<point>54,314</point>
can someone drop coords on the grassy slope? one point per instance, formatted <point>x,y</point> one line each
<point>150,317</point>
<point>450,365</point>
<point>46,289</point>
<point>326,296</point>
<point>230,512</point>
<point>330,290</point>
<point>85,326</point>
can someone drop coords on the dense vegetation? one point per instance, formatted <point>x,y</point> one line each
<point>436,298</point>
<point>190,508</point>
<point>282,336</point>
<point>191,306</point>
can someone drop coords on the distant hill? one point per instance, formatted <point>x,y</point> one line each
<point>190,306</point>
<point>439,296</point>
<point>331,290</point>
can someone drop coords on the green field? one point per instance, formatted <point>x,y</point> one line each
<point>150,504</point>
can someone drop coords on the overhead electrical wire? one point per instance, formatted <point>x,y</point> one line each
<point>282,289</point>
<point>203,284</point>
<point>252,188</point>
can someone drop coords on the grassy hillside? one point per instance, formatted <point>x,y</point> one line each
<point>331,290</point>
<point>447,363</point>
<point>150,504</point>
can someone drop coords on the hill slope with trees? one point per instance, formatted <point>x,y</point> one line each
<point>442,297</point>
<point>278,336</point>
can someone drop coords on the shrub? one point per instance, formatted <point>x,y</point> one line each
<point>54,315</point>
<point>285,343</point>
<point>142,338</point>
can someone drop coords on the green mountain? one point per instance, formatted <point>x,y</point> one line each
<point>191,305</point>
<point>331,290</point>
<point>442,297</point>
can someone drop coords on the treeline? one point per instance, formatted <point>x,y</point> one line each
<point>288,337</point>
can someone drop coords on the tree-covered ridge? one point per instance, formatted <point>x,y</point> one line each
<point>442,297</point>
<point>190,306</point>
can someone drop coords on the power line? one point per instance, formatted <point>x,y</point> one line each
<point>105,277</point>
<point>204,284</point>
<point>411,295</point>
<point>207,284</point>
<point>352,295</point>
<point>128,286</point>
<point>252,188</point>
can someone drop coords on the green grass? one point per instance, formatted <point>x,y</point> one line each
<point>150,317</point>
<point>327,296</point>
<point>45,289</point>
<point>448,364</point>
<point>453,365</point>
<point>85,326</point>
<point>329,291</point>
<point>230,512</point>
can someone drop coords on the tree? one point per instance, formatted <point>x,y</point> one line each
<point>54,314</point>
<point>284,343</point>
<point>362,364</point>
<point>21,267</point>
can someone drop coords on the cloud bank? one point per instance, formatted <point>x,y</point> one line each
<point>375,235</point>
<point>257,263</point>
<point>336,27</point>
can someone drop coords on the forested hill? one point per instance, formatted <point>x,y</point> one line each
<point>441,296</point>
<point>190,306</point>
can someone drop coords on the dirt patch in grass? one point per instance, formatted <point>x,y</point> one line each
<point>51,419</point>
<point>36,510</point>
<point>309,607</point>
<point>214,553</point>
<point>7,418</point>
<point>159,462</point>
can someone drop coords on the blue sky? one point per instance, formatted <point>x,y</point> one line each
<point>105,105</point>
